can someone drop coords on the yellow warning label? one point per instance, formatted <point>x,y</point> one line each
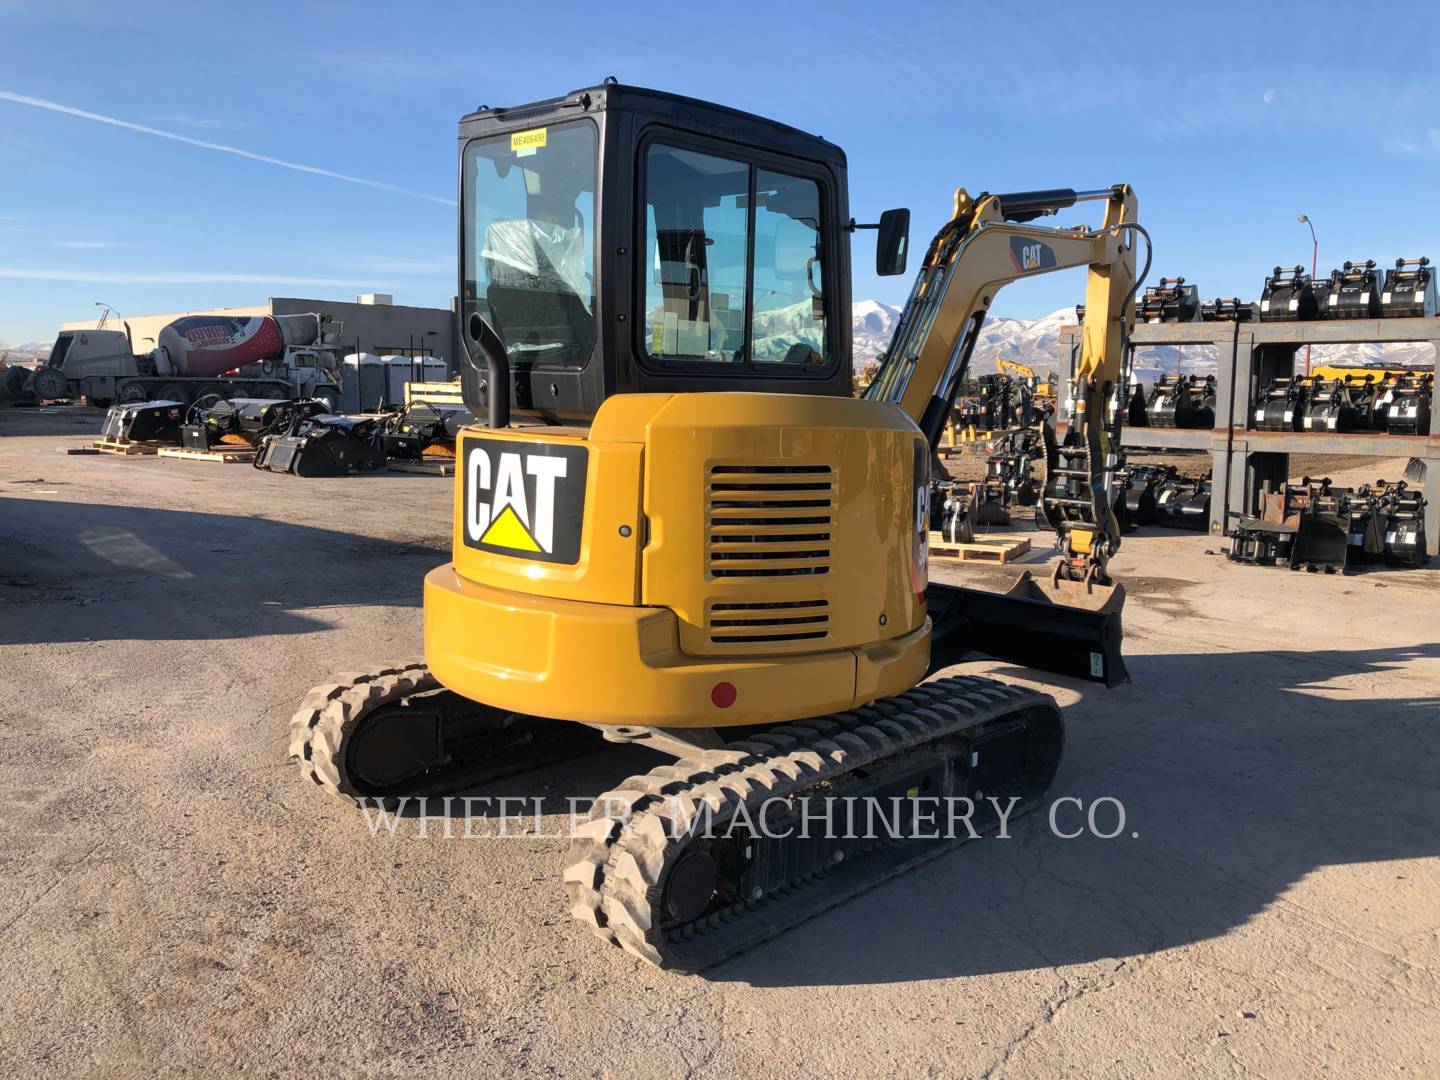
<point>527,141</point>
<point>509,531</point>
<point>657,339</point>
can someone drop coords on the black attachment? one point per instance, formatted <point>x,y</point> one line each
<point>1025,627</point>
<point>144,421</point>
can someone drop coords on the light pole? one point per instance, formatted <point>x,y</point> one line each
<point>1304,219</point>
<point>108,312</point>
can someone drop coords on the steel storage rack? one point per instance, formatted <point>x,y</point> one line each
<point>1248,356</point>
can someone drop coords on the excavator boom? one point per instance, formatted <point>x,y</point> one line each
<point>989,242</point>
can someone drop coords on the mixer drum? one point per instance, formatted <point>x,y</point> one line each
<point>204,346</point>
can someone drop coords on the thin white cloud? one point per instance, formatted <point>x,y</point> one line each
<point>87,245</point>
<point>1426,146</point>
<point>380,185</point>
<point>181,277</point>
<point>203,123</point>
<point>380,264</point>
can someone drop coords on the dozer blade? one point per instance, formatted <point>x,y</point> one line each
<point>1063,627</point>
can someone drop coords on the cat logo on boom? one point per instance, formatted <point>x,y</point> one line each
<point>524,499</point>
<point>1031,254</point>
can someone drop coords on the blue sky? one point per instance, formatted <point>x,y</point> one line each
<point>1229,120</point>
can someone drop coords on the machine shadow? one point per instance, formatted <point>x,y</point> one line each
<point>184,575</point>
<point>1237,780</point>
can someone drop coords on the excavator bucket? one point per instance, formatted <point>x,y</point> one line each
<point>1064,627</point>
<point>1322,542</point>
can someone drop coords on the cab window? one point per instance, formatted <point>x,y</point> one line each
<point>733,260</point>
<point>529,241</point>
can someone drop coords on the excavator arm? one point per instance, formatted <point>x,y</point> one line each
<point>988,243</point>
<point>1022,371</point>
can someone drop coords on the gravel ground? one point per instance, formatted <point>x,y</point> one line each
<point>174,900</point>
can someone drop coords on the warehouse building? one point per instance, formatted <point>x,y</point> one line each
<point>372,324</point>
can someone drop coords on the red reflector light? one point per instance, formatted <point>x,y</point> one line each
<point>722,695</point>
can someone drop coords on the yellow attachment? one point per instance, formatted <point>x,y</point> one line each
<point>1339,371</point>
<point>765,541</point>
<point>1081,541</point>
<point>234,440</point>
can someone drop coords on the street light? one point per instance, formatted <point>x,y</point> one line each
<point>1304,219</point>
<point>108,312</point>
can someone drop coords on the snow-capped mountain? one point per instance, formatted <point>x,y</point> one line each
<point>873,323</point>
<point>1036,342</point>
<point>27,353</point>
<point>1028,341</point>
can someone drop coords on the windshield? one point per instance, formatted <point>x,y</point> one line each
<point>734,259</point>
<point>529,242</point>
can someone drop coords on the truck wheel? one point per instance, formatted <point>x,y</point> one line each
<point>330,395</point>
<point>50,384</point>
<point>131,391</point>
<point>207,395</point>
<point>175,392</point>
<point>17,382</point>
<point>272,391</point>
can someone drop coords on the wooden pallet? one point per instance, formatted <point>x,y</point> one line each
<point>118,446</point>
<point>999,551</point>
<point>227,455</point>
<point>436,393</point>
<point>423,468</point>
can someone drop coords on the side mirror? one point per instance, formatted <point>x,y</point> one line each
<point>893,242</point>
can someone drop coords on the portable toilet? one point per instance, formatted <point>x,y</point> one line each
<point>411,369</point>
<point>362,382</point>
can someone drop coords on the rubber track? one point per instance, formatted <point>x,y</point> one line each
<point>618,857</point>
<point>330,713</point>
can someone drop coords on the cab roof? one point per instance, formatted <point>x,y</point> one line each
<point>721,119</point>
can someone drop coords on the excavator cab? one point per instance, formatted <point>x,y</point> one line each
<point>621,240</point>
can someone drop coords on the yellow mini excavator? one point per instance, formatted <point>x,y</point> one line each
<point>679,528</point>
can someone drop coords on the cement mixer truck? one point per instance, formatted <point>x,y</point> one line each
<point>198,359</point>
